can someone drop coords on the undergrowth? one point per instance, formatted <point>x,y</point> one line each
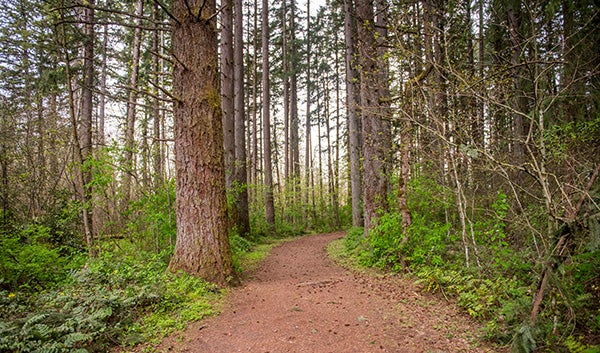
<point>124,297</point>
<point>113,300</point>
<point>496,285</point>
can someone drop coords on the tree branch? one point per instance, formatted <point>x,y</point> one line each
<point>164,8</point>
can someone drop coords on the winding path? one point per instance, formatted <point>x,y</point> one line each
<point>298,300</point>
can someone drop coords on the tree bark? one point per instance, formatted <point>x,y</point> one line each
<point>131,106</point>
<point>352,108</point>
<point>103,92</point>
<point>87,110</point>
<point>307,124</point>
<point>294,133</point>
<point>266,102</point>
<point>243,217</point>
<point>158,164</point>
<point>227,92</point>
<point>374,128</point>
<point>202,246</point>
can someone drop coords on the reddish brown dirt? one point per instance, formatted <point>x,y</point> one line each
<point>299,300</point>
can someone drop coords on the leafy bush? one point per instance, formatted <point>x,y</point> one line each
<point>101,305</point>
<point>354,240</point>
<point>29,260</point>
<point>152,219</point>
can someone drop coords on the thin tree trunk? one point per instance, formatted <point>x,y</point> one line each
<point>336,169</point>
<point>227,89</point>
<point>285,53</point>
<point>266,102</point>
<point>87,110</point>
<point>255,138</point>
<point>352,108</point>
<point>131,107</point>
<point>518,101</point>
<point>307,127</point>
<point>102,97</point>
<point>294,127</point>
<point>243,217</point>
<point>78,151</point>
<point>158,165</point>
<point>227,100</point>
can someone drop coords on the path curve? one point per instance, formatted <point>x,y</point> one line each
<point>298,300</point>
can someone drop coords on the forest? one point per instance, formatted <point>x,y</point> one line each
<point>150,150</point>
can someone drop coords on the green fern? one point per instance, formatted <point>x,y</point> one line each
<point>76,337</point>
<point>523,341</point>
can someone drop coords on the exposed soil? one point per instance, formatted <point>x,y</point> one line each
<point>299,300</point>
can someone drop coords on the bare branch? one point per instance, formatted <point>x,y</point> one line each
<point>164,8</point>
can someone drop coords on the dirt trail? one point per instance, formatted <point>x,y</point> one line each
<point>298,300</point>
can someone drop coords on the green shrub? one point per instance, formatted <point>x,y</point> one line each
<point>29,261</point>
<point>102,304</point>
<point>354,239</point>
<point>152,219</point>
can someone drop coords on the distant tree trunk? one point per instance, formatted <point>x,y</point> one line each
<point>479,133</point>
<point>158,165</point>
<point>145,151</point>
<point>294,137</point>
<point>202,246</point>
<point>374,128</point>
<point>227,91</point>
<point>102,96</point>
<point>336,169</point>
<point>352,108</point>
<point>518,101</point>
<point>243,217</point>
<point>255,137</point>
<point>266,102</point>
<point>87,110</point>
<point>319,136</point>
<point>307,127</point>
<point>285,54</point>
<point>131,106</point>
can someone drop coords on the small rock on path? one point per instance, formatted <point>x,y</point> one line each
<point>299,300</point>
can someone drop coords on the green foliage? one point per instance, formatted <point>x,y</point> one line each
<point>30,261</point>
<point>384,243</point>
<point>562,139</point>
<point>354,240</point>
<point>427,242</point>
<point>239,247</point>
<point>575,345</point>
<point>498,292</point>
<point>152,219</point>
<point>101,305</point>
<point>428,198</point>
<point>524,341</point>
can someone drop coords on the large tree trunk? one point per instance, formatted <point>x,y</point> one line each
<point>269,202</point>
<point>202,246</point>
<point>243,217</point>
<point>374,128</point>
<point>352,108</point>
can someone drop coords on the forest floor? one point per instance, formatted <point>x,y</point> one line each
<point>300,300</point>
